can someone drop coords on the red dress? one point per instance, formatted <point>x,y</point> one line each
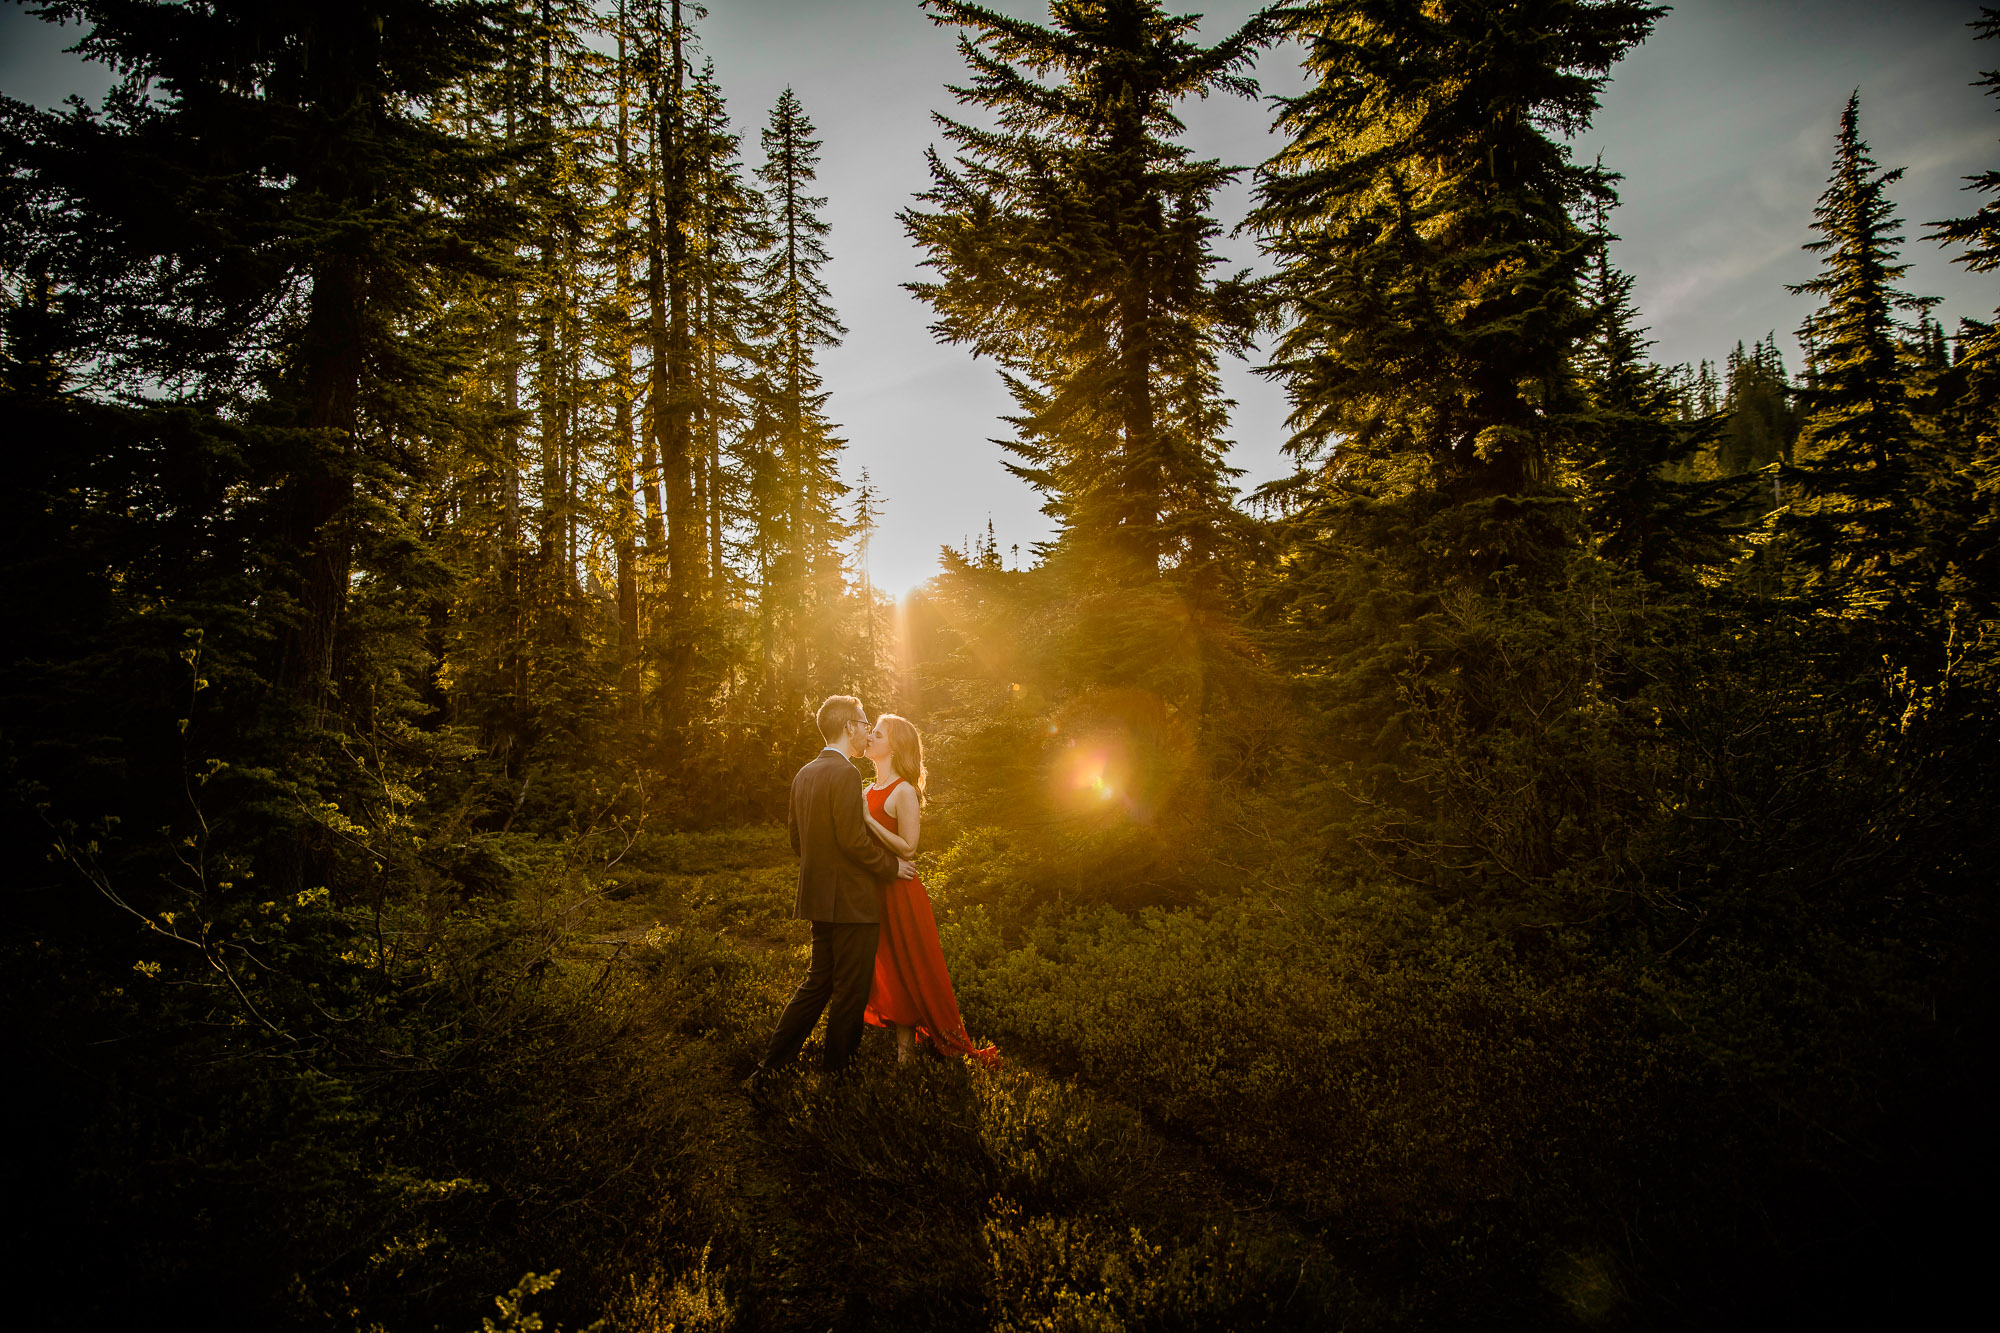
<point>912,986</point>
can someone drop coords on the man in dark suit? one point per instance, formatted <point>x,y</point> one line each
<point>842,870</point>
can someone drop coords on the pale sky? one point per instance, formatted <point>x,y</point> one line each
<point>1722,124</point>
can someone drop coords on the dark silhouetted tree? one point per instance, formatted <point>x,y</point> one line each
<point>1071,245</point>
<point>1424,212</point>
<point>1635,444</point>
<point>1851,525</point>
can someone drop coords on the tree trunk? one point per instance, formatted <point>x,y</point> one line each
<point>624,513</point>
<point>658,388</point>
<point>321,494</point>
<point>1141,478</point>
<point>672,410</point>
<point>548,354</point>
<point>686,544</point>
<point>1141,481</point>
<point>718,583</point>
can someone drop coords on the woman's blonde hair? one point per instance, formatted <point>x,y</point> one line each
<point>906,750</point>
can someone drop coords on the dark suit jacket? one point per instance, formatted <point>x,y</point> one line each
<point>842,867</point>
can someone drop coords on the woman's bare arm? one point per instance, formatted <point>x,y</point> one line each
<point>896,844</point>
<point>909,813</point>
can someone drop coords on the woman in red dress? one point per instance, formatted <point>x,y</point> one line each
<point>912,991</point>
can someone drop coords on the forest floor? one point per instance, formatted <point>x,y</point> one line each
<point>931,1195</point>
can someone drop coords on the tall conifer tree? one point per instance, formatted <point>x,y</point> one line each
<point>1978,233</point>
<point>796,318</point>
<point>565,186</point>
<point>1072,247</point>
<point>1634,442</point>
<point>728,228</point>
<point>267,198</point>
<point>1851,523</point>
<point>1424,214</point>
<point>1970,392</point>
<point>1457,424</point>
<point>514,518</point>
<point>620,336</point>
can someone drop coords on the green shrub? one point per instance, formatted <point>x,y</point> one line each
<point>1087,1275</point>
<point>987,868</point>
<point>691,1301</point>
<point>693,981</point>
<point>1053,1147</point>
<point>1391,1088</point>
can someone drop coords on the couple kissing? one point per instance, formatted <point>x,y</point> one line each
<point>875,954</point>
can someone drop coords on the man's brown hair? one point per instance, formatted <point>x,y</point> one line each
<point>836,713</point>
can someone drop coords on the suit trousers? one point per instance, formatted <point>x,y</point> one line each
<point>842,970</point>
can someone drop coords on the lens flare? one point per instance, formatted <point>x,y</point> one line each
<point>1094,772</point>
<point>1115,758</point>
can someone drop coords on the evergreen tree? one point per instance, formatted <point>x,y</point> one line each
<point>800,488</point>
<point>1467,392</point>
<point>1641,511</point>
<point>619,334</point>
<point>1979,232</point>
<point>1964,401</point>
<point>669,455</point>
<point>507,499</point>
<point>1423,214</point>
<point>1071,245</point>
<point>566,188</point>
<point>564,179</point>
<point>262,203</point>
<point>1851,523</point>
<point>867,516</point>
<point>1760,425</point>
<point>727,231</point>
<point>1707,392</point>
<point>694,330</point>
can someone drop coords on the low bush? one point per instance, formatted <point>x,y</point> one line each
<point>1384,1090</point>
<point>1085,1275</point>
<point>950,1198</point>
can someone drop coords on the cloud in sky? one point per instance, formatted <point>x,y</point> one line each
<point>1723,125</point>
